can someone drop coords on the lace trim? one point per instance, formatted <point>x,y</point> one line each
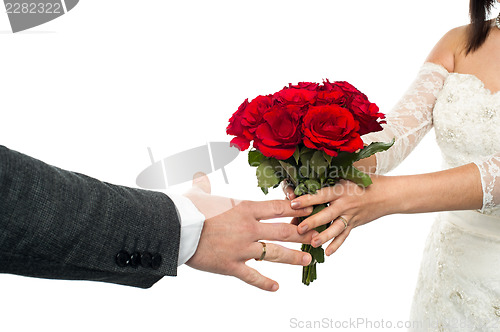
<point>490,173</point>
<point>411,119</point>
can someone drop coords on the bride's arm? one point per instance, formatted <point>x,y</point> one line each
<point>408,122</point>
<point>411,118</point>
<point>455,189</point>
<point>468,187</point>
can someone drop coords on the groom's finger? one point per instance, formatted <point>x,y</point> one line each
<point>276,209</point>
<point>280,254</point>
<point>254,278</point>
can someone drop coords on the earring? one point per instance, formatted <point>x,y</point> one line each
<point>497,21</point>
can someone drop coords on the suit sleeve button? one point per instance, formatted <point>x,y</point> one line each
<point>156,261</point>
<point>135,259</point>
<point>122,258</point>
<point>146,259</point>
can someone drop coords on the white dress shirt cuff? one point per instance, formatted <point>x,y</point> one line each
<point>191,220</point>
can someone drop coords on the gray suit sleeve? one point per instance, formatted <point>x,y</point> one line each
<point>63,225</point>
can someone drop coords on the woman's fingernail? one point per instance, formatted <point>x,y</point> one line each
<point>274,288</point>
<point>295,204</point>
<point>314,234</point>
<point>328,252</point>
<point>316,242</point>
<point>305,259</point>
<point>303,228</point>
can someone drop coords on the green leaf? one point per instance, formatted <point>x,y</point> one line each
<point>266,175</point>
<point>327,157</point>
<point>264,190</point>
<point>306,150</point>
<point>306,157</point>
<point>356,176</point>
<point>312,186</point>
<point>318,163</point>
<point>331,182</point>
<point>321,228</point>
<point>301,189</point>
<point>318,254</point>
<point>303,171</point>
<point>318,159</point>
<point>318,208</point>
<point>374,148</point>
<point>296,155</point>
<point>344,159</point>
<point>290,170</point>
<point>322,180</point>
<point>255,157</point>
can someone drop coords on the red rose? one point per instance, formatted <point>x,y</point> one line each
<point>331,128</point>
<point>346,87</point>
<point>330,93</point>
<point>279,133</point>
<point>243,137</point>
<point>330,97</point>
<point>305,85</point>
<point>366,113</point>
<point>255,110</point>
<point>246,119</point>
<point>293,96</point>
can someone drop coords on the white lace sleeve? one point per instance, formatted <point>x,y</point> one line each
<point>411,118</point>
<point>490,180</point>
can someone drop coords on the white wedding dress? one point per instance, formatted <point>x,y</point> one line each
<point>458,286</point>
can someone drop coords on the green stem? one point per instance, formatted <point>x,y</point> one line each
<point>309,273</point>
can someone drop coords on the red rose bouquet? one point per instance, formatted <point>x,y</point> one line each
<point>309,135</point>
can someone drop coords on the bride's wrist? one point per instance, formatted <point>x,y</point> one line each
<point>392,191</point>
<point>410,194</point>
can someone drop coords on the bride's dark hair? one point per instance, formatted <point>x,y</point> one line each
<point>479,28</point>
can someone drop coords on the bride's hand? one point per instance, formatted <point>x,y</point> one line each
<point>355,204</point>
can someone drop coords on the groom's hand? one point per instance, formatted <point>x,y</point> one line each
<point>232,230</point>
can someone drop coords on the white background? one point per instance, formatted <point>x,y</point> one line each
<point>91,90</point>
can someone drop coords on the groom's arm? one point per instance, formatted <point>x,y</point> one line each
<point>64,225</point>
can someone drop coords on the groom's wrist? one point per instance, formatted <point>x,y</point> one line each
<point>191,221</point>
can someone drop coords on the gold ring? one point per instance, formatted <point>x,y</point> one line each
<point>344,221</point>
<point>264,251</point>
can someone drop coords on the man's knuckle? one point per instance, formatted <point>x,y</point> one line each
<point>277,208</point>
<point>252,278</point>
<point>277,255</point>
<point>284,232</point>
<point>244,205</point>
<point>250,228</point>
